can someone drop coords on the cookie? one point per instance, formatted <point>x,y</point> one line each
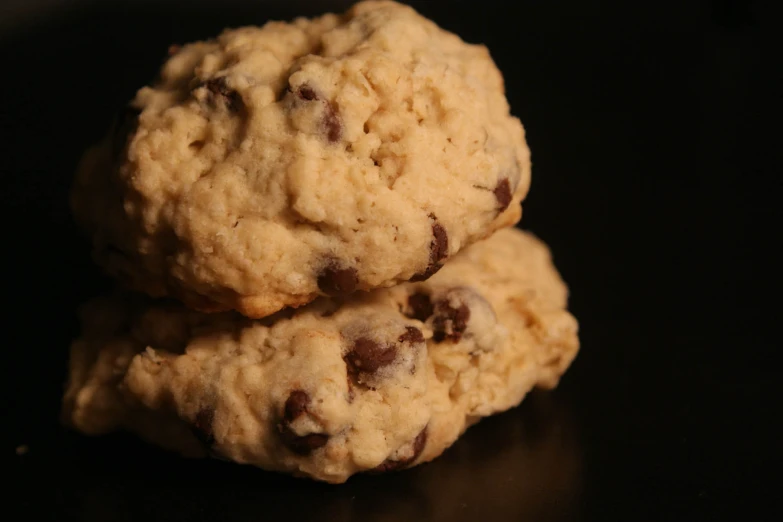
<point>379,382</point>
<point>273,165</point>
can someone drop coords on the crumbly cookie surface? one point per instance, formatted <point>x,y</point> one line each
<point>272,165</point>
<point>381,381</point>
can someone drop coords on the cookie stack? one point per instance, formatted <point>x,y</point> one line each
<point>310,222</point>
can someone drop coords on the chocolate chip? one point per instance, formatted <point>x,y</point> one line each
<point>202,426</point>
<point>307,93</point>
<point>417,447</point>
<point>301,444</point>
<point>503,193</point>
<point>174,49</point>
<point>419,442</point>
<point>419,307</point>
<point>429,272</point>
<point>336,280</point>
<point>449,322</point>
<point>332,124</point>
<point>440,242</point>
<point>368,356</point>
<point>125,124</point>
<point>220,89</point>
<point>411,335</point>
<point>439,249</point>
<point>296,405</point>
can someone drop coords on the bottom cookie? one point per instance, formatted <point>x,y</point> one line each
<point>378,382</point>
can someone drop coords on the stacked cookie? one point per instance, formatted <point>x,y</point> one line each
<point>311,224</point>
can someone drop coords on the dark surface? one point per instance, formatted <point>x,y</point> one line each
<point>653,183</point>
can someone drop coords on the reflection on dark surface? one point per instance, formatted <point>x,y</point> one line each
<point>522,465</point>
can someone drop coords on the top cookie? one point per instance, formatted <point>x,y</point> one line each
<point>275,164</point>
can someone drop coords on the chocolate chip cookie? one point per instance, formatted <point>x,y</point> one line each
<point>273,165</point>
<point>378,382</point>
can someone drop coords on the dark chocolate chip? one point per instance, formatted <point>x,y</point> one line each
<point>202,426</point>
<point>439,249</point>
<point>419,307</point>
<point>418,446</point>
<point>503,193</point>
<point>336,280</point>
<point>220,89</point>
<point>411,335</point>
<point>440,242</point>
<point>333,124</point>
<point>368,356</point>
<point>296,405</point>
<point>307,93</point>
<point>125,124</point>
<point>449,322</point>
<point>429,272</point>
<point>301,444</point>
<point>419,442</point>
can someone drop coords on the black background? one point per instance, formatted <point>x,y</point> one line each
<point>653,182</point>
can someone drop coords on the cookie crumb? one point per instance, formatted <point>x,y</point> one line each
<point>22,450</point>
